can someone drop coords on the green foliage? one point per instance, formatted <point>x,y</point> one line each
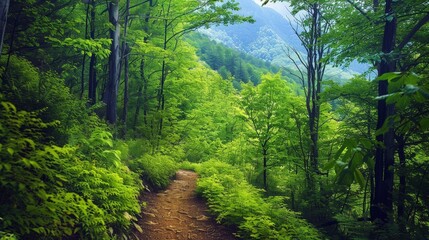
<point>236,202</point>
<point>231,63</point>
<point>32,90</point>
<point>350,228</point>
<point>99,47</point>
<point>7,236</point>
<point>155,170</point>
<point>186,165</point>
<point>113,191</point>
<point>353,155</point>
<point>33,201</point>
<point>51,191</point>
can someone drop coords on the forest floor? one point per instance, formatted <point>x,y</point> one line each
<point>177,213</point>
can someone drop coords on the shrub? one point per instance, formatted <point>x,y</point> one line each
<point>49,191</point>
<point>235,202</point>
<point>186,165</point>
<point>156,170</point>
<point>33,202</point>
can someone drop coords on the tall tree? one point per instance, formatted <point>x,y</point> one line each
<point>382,202</point>
<point>4,8</point>
<point>312,25</point>
<point>397,29</point>
<point>125,62</point>
<point>111,92</point>
<point>92,80</point>
<point>266,108</point>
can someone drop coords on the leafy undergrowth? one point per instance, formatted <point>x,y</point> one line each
<point>236,202</point>
<point>87,189</point>
<point>81,191</point>
<point>156,170</point>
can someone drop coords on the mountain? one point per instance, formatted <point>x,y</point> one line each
<point>264,39</point>
<point>269,38</point>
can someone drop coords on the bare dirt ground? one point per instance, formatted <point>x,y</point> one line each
<point>177,213</point>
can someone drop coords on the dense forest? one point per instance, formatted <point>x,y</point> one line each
<point>104,100</point>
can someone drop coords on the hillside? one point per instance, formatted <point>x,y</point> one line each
<point>233,64</point>
<point>269,39</point>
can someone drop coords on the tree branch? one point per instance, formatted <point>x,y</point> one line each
<point>413,31</point>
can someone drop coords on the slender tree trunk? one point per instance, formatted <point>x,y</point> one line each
<point>126,97</point>
<point>161,97</point>
<point>145,100</point>
<point>4,9</point>
<point>145,80</point>
<point>111,93</point>
<point>125,56</point>
<point>315,72</point>
<point>265,156</point>
<point>92,81</point>
<point>402,184</point>
<point>138,105</point>
<point>382,204</point>
<point>5,79</point>
<point>82,75</point>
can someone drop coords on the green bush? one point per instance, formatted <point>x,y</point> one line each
<point>235,202</point>
<point>155,170</point>
<point>32,90</point>
<point>186,165</point>
<point>33,201</point>
<point>49,191</point>
<point>138,147</point>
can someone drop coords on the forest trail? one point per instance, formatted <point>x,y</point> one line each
<point>177,213</point>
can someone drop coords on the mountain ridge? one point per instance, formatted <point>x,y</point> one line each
<point>269,38</point>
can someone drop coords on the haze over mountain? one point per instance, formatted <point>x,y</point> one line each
<point>269,38</point>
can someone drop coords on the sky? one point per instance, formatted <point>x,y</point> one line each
<point>280,7</point>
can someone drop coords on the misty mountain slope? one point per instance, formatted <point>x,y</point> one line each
<point>269,38</point>
<point>270,31</point>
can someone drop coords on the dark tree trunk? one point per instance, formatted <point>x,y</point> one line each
<point>402,183</point>
<point>4,9</point>
<point>126,97</point>
<point>161,97</point>
<point>382,203</point>
<point>145,100</point>
<point>125,56</point>
<point>82,77</point>
<point>138,105</point>
<point>111,93</point>
<point>92,81</point>
<point>315,71</point>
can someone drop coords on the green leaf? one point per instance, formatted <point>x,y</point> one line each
<point>68,231</point>
<point>340,151</point>
<point>346,177</point>
<point>30,142</point>
<point>359,177</point>
<point>389,76</point>
<point>9,106</point>
<point>34,164</point>
<point>10,151</point>
<point>52,151</point>
<point>330,164</point>
<point>424,123</point>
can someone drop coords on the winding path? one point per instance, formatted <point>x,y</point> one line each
<point>177,213</point>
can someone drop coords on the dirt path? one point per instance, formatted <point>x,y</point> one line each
<point>178,214</point>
